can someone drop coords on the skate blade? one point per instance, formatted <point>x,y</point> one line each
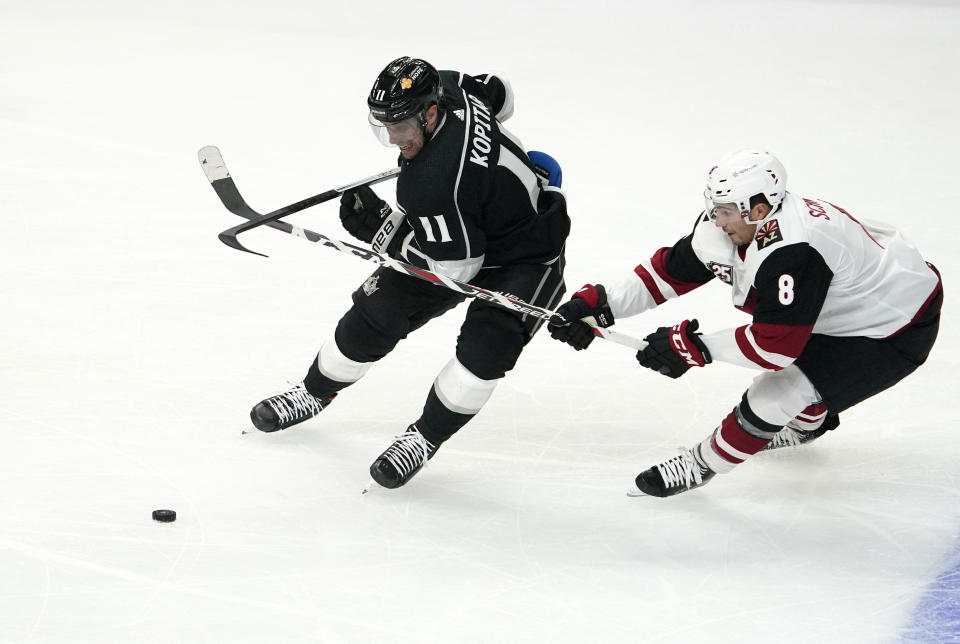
<point>369,486</point>
<point>635,492</point>
<point>250,429</point>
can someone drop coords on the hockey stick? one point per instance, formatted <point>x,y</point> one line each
<point>216,170</point>
<point>219,177</point>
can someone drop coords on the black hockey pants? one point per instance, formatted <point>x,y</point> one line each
<point>390,305</point>
<point>846,371</point>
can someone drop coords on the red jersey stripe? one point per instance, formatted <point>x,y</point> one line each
<point>659,263</point>
<point>784,339</point>
<point>650,283</point>
<point>749,352</point>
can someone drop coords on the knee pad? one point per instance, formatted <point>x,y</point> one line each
<point>490,342</point>
<point>367,333</point>
<point>777,397</point>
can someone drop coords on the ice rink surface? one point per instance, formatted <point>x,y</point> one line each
<point>134,342</point>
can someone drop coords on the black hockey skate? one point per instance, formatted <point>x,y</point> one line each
<point>286,409</point>
<point>792,436</point>
<point>683,472</point>
<point>407,456</point>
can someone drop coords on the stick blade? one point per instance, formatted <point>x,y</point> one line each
<point>229,238</point>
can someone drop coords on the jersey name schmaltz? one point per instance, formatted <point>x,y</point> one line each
<point>471,197</point>
<point>811,268</point>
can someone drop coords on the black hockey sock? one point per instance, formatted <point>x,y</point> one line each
<point>439,423</point>
<point>319,385</point>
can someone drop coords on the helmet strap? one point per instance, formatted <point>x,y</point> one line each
<point>422,121</point>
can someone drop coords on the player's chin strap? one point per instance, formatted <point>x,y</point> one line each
<point>422,120</point>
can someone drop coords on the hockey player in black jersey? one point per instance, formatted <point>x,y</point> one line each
<point>841,310</point>
<point>471,206</point>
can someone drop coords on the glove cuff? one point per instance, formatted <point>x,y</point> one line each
<point>390,224</point>
<point>595,296</point>
<point>686,342</point>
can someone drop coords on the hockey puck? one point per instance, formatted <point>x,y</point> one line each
<point>165,516</point>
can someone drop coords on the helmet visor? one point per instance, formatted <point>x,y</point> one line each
<point>723,210</point>
<point>392,133</point>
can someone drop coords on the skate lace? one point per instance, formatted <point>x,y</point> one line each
<point>681,470</point>
<point>296,403</point>
<point>410,451</point>
<point>786,437</point>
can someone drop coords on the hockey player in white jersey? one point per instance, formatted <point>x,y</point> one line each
<point>841,310</point>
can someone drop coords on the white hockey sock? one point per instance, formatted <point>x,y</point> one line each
<point>809,419</point>
<point>460,391</point>
<point>334,365</point>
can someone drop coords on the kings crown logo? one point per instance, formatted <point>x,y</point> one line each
<point>370,286</point>
<point>769,233</point>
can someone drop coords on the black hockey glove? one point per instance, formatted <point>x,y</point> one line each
<point>673,350</point>
<point>589,301</point>
<point>362,212</point>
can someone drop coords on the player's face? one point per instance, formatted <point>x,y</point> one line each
<point>730,219</point>
<point>408,135</point>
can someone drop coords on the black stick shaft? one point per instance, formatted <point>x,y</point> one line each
<point>216,172</point>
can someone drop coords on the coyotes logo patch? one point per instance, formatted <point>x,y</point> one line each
<point>769,233</point>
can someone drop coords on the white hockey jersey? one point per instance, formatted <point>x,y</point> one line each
<point>812,268</point>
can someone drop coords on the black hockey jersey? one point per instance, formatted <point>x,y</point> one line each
<point>471,197</point>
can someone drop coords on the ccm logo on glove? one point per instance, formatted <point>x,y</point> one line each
<point>676,337</point>
<point>673,350</point>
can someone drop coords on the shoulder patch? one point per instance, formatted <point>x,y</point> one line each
<point>769,233</point>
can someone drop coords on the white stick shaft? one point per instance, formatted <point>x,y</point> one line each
<point>614,336</point>
<point>626,340</point>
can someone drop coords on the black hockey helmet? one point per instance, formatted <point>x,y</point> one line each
<point>406,87</point>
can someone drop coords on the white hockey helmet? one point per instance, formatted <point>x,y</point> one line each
<point>740,175</point>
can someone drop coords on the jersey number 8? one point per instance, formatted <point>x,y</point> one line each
<point>785,284</point>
